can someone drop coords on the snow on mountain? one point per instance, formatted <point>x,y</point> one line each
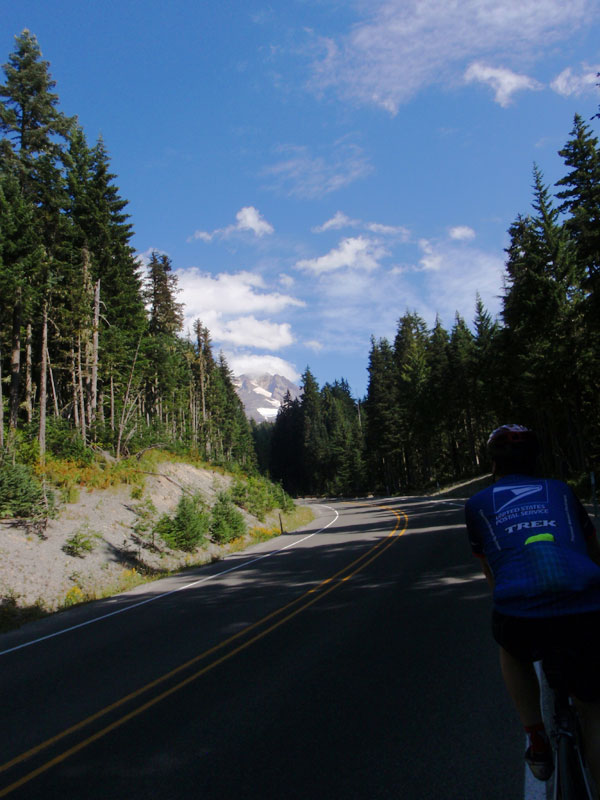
<point>262,395</point>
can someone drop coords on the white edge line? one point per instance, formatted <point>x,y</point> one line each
<point>173,591</point>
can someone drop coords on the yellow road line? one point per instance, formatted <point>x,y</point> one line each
<point>322,591</point>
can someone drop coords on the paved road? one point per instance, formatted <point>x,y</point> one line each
<point>347,661</point>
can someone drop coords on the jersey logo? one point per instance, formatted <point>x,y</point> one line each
<point>507,496</point>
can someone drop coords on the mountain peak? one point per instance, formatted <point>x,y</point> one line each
<point>262,395</point>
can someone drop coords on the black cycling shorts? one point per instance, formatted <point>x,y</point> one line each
<point>568,646</point>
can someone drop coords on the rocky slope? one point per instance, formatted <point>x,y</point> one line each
<point>36,568</point>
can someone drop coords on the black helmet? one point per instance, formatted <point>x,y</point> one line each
<point>512,441</point>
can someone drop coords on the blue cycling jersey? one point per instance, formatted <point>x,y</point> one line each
<point>533,534</point>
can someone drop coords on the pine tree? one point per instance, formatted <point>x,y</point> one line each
<point>461,355</point>
<point>410,354</point>
<point>314,434</point>
<point>33,134</point>
<point>381,410</point>
<point>30,122</point>
<point>166,314</point>
<point>581,197</point>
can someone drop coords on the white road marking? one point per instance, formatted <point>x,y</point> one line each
<point>534,789</point>
<point>173,591</point>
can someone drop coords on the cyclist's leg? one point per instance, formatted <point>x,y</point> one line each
<point>523,687</point>
<point>516,638</point>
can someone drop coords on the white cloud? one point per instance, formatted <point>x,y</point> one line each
<point>247,219</point>
<point>388,230</point>
<point>286,280</point>
<point>314,345</point>
<point>464,271</point>
<point>229,293</point>
<point>431,260</point>
<point>341,220</point>
<point>568,83</point>
<point>256,365</point>
<point>357,253</point>
<point>249,331</point>
<point>402,46</point>
<point>308,176</point>
<point>143,259</point>
<point>462,233</point>
<point>227,303</point>
<point>504,82</point>
<point>338,221</point>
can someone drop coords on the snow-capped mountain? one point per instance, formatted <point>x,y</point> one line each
<point>263,395</point>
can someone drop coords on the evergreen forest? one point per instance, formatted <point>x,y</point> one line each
<point>434,395</point>
<point>92,355</point>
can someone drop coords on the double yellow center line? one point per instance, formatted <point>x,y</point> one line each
<point>269,623</point>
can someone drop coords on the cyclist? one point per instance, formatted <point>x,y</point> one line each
<point>540,556</point>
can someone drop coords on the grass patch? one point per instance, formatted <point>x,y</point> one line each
<point>300,516</point>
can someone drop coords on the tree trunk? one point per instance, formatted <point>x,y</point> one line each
<point>28,380</point>
<point>75,393</point>
<point>81,395</point>
<point>15,362</point>
<point>54,395</point>
<point>126,412</point>
<point>95,350</point>
<point>43,392</point>
<point>1,407</point>
<point>112,402</point>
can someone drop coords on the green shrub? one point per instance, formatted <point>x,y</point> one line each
<point>21,494</point>
<point>64,442</point>
<point>259,496</point>
<point>80,543</point>
<point>188,527</point>
<point>226,522</point>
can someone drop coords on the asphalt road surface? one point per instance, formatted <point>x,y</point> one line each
<point>352,659</point>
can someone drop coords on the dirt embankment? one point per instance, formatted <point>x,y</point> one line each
<point>38,569</point>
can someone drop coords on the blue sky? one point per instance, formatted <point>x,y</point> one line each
<point>314,168</point>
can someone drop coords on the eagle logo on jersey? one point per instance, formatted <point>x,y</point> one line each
<point>511,496</point>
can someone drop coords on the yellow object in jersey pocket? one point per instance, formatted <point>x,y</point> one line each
<point>540,537</point>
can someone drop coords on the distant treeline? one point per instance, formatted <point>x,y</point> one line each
<point>89,349</point>
<point>433,396</point>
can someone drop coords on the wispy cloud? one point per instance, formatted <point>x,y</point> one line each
<point>569,83</point>
<point>302,174</point>
<point>445,280</point>
<point>504,82</point>
<point>356,253</point>
<point>403,46</point>
<point>336,223</point>
<point>247,219</point>
<point>341,220</point>
<point>314,345</point>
